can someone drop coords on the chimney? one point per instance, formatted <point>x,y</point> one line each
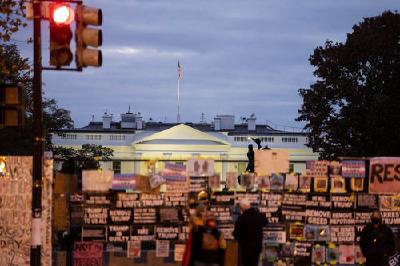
<point>251,122</point>
<point>107,121</point>
<point>224,122</point>
<point>217,123</point>
<point>139,121</point>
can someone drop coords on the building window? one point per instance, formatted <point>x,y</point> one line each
<point>117,167</point>
<point>93,137</point>
<point>291,168</point>
<point>289,139</point>
<point>240,139</point>
<point>267,139</point>
<point>117,137</point>
<point>69,136</point>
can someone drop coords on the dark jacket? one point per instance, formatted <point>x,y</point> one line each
<point>249,233</point>
<point>377,244</point>
<point>201,253</point>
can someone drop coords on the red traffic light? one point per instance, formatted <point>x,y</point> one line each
<point>62,14</point>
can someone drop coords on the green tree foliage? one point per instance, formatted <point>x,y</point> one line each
<point>353,107</point>
<point>11,18</point>
<point>86,158</point>
<point>16,69</point>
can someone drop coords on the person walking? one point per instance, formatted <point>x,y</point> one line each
<point>195,221</point>
<point>248,232</point>
<point>377,241</point>
<point>208,244</point>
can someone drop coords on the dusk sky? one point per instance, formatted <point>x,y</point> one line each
<point>237,57</point>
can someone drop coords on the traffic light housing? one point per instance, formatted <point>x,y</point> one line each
<point>12,106</point>
<point>61,16</point>
<point>88,36</point>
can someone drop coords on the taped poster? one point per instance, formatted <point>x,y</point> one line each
<point>311,232</point>
<point>317,168</point>
<point>231,180</point>
<point>353,168</point>
<point>338,184</point>
<point>357,184</point>
<point>179,251</point>
<point>268,162</point>
<point>346,254</point>
<point>200,167</point>
<point>134,249</point>
<point>275,235</point>
<point>176,178</point>
<point>320,183</point>
<point>88,253</point>
<point>291,182</point>
<point>342,233</point>
<point>332,254</point>
<point>162,248</point>
<point>247,180</point>
<point>318,254</point>
<point>367,201</point>
<point>304,183</point>
<point>276,182</point>
<point>389,203</point>
<point>384,175</point>
<point>16,213</point>
<point>263,183</point>
<point>214,181</point>
<point>124,182</point>
<point>96,180</point>
<point>334,168</point>
<point>156,181</point>
<point>296,231</point>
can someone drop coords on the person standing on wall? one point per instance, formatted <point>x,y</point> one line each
<point>249,234</point>
<point>377,241</point>
<point>250,159</point>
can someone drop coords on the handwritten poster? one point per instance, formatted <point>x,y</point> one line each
<point>162,248</point>
<point>384,175</point>
<point>268,162</point>
<point>88,253</point>
<point>134,249</point>
<point>96,180</point>
<point>15,211</point>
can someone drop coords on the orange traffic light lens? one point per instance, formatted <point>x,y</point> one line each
<point>63,14</point>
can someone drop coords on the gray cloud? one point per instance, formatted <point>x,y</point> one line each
<point>237,57</point>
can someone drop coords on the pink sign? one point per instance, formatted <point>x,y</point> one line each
<point>88,253</point>
<point>384,175</point>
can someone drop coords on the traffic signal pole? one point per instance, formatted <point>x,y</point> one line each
<point>38,139</point>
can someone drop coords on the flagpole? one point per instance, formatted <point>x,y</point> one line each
<point>178,118</point>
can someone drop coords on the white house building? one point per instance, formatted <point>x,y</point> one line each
<point>140,147</point>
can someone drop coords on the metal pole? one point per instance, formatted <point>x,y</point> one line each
<point>178,118</point>
<point>38,143</point>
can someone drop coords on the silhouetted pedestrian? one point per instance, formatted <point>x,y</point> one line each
<point>249,234</point>
<point>377,241</point>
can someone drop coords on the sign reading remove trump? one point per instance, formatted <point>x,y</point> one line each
<point>384,175</point>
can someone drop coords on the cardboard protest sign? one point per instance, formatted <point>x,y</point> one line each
<point>268,162</point>
<point>88,253</point>
<point>384,175</point>
<point>96,180</point>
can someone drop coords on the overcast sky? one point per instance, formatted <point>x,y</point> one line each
<point>237,57</point>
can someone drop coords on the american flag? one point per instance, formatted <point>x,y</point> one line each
<point>179,71</point>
